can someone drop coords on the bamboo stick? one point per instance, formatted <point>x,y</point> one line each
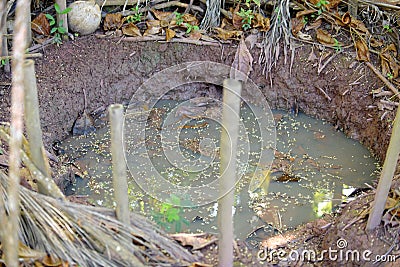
<point>63,17</point>
<point>229,139</point>
<point>33,55</point>
<point>32,122</point>
<point>16,131</point>
<point>3,35</point>
<point>385,180</point>
<point>118,163</point>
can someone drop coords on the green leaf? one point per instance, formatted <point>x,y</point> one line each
<point>62,30</point>
<point>65,11</point>
<point>173,215</point>
<point>57,8</point>
<point>175,200</point>
<point>165,207</point>
<point>53,30</point>
<point>50,17</point>
<point>257,2</point>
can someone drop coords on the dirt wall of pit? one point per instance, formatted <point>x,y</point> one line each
<point>110,71</point>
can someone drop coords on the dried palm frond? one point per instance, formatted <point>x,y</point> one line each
<point>90,236</point>
<point>280,28</point>
<point>212,17</point>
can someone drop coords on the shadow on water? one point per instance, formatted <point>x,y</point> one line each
<point>315,169</point>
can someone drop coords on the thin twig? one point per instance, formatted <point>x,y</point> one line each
<point>383,79</point>
<point>324,93</point>
<point>161,39</point>
<point>34,55</point>
<point>321,68</point>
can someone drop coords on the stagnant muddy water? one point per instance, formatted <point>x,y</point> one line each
<point>315,167</point>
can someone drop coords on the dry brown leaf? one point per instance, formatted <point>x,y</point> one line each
<point>25,251</point>
<point>41,25</point>
<point>388,61</point>
<point>362,50</point>
<point>191,19</point>
<point>169,34</point>
<point>112,22</point>
<point>51,261</point>
<point>131,30</point>
<point>346,18</point>
<point>305,12</point>
<point>359,26</point>
<point>161,15</point>
<point>261,22</point>
<point>297,25</point>
<point>331,3</point>
<point>325,37</point>
<point>375,42</point>
<point>199,264</point>
<point>304,36</point>
<point>236,19</point>
<point>195,35</point>
<point>242,64</point>
<point>197,241</point>
<point>226,25</point>
<point>153,27</point>
<point>314,25</point>
<point>226,34</point>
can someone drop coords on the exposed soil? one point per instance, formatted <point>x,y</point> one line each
<point>110,71</point>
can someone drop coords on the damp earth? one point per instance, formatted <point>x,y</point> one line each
<point>343,96</point>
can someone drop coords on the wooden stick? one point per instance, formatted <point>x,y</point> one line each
<point>62,17</point>
<point>120,183</point>
<point>173,40</point>
<point>324,93</point>
<point>229,140</point>
<point>41,179</point>
<point>34,55</point>
<point>385,180</point>
<point>32,122</point>
<point>3,35</point>
<point>10,240</point>
<point>383,79</point>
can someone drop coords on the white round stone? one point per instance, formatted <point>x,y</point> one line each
<point>84,17</point>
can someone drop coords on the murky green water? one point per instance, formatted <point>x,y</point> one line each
<point>314,165</point>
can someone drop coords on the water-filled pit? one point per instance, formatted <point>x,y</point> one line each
<point>314,169</point>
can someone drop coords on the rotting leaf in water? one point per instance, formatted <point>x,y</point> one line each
<point>112,22</point>
<point>285,178</point>
<point>242,64</point>
<point>197,241</point>
<point>41,25</point>
<point>83,125</point>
